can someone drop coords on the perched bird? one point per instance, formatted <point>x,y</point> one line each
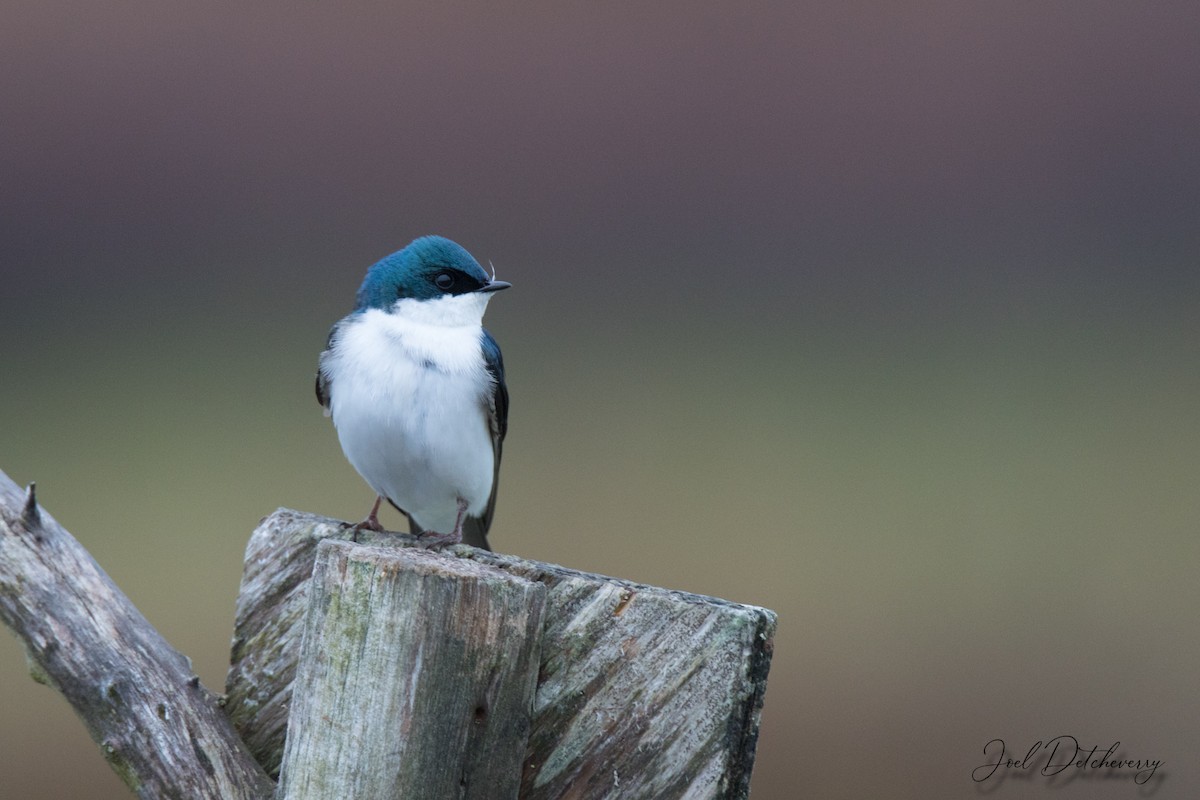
<point>415,386</point>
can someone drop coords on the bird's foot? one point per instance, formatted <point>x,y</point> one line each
<point>371,523</point>
<point>432,540</point>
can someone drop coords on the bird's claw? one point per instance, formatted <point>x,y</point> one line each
<point>432,540</point>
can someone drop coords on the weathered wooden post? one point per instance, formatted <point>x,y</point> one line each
<point>415,679</point>
<point>372,669</point>
<point>641,692</point>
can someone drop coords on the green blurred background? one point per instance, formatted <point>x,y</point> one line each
<point>883,316</point>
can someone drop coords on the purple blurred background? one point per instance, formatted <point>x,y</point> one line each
<point>880,315</point>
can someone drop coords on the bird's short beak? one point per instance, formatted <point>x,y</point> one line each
<point>495,286</point>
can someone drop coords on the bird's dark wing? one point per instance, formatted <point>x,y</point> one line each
<point>475,528</point>
<point>324,382</point>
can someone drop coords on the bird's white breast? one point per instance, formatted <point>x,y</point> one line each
<point>408,398</point>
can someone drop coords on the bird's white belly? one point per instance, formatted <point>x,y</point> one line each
<point>418,434</point>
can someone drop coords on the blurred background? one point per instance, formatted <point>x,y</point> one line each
<point>881,315</point>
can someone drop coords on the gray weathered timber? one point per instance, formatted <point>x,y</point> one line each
<point>271,607</point>
<point>642,692</point>
<point>416,678</point>
<point>160,730</point>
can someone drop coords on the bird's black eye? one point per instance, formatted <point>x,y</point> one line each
<point>444,281</point>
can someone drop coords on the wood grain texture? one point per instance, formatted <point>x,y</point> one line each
<point>161,731</point>
<point>416,678</point>
<point>271,607</point>
<point>642,692</point>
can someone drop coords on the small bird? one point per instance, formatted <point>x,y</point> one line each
<point>415,386</point>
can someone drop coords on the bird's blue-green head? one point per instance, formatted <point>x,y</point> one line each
<point>431,268</point>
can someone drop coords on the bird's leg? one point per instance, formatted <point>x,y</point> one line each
<point>372,520</point>
<point>433,539</point>
<point>371,523</point>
